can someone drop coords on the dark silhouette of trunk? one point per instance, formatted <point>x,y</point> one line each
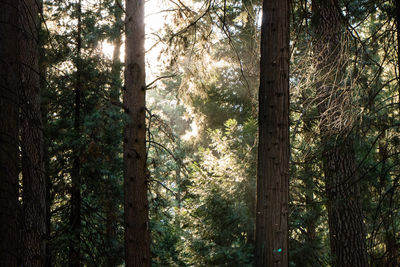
<point>75,216</point>
<point>33,232</point>
<point>345,218</point>
<point>271,245</point>
<point>43,66</point>
<point>392,246</point>
<point>136,207</point>
<point>9,84</point>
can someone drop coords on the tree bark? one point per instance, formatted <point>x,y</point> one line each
<point>34,187</point>
<point>271,248</point>
<point>137,239</point>
<point>75,215</point>
<point>345,218</point>
<point>9,84</point>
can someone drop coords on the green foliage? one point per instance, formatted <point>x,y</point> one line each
<point>219,214</point>
<point>202,132</point>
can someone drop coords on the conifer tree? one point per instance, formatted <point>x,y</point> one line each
<point>9,110</point>
<point>137,240</point>
<point>33,232</point>
<point>273,151</point>
<point>76,180</point>
<point>345,217</point>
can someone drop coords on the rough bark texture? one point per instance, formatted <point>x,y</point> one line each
<point>137,240</point>
<point>75,215</point>
<point>8,132</point>
<point>273,152</point>
<point>34,188</point>
<point>345,218</point>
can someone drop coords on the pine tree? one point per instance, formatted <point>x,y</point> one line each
<point>9,112</point>
<point>33,232</point>
<point>273,151</point>
<point>76,179</point>
<point>345,218</point>
<point>137,240</point>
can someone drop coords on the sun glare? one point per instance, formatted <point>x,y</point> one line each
<point>154,21</point>
<point>107,49</point>
<point>194,131</point>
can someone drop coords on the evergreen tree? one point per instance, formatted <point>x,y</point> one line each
<point>136,222</point>
<point>9,135</point>
<point>76,180</point>
<point>33,215</point>
<point>345,216</point>
<point>273,147</point>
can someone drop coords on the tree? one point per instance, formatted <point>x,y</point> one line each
<point>111,205</point>
<point>273,151</point>
<point>76,180</point>
<point>137,239</point>
<point>9,110</point>
<point>33,232</point>
<point>345,218</point>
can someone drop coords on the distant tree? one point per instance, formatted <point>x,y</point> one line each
<point>345,217</point>
<point>76,180</point>
<point>111,205</point>
<point>271,241</point>
<point>9,110</point>
<point>136,209</point>
<point>33,232</point>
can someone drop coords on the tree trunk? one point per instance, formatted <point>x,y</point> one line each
<point>75,216</point>
<point>273,151</point>
<point>345,218</point>
<point>137,239</point>
<point>43,66</point>
<point>9,84</point>
<point>34,187</point>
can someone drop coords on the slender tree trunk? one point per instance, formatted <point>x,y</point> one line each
<point>75,216</point>
<point>43,66</point>
<point>345,218</point>
<point>9,84</point>
<point>273,151</point>
<point>391,243</point>
<point>137,239</point>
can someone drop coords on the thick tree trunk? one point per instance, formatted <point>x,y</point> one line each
<point>9,84</point>
<point>345,218</point>
<point>75,216</point>
<point>34,188</point>
<point>346,227</point>
<point>137,239</point>
<point>273,151</point>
